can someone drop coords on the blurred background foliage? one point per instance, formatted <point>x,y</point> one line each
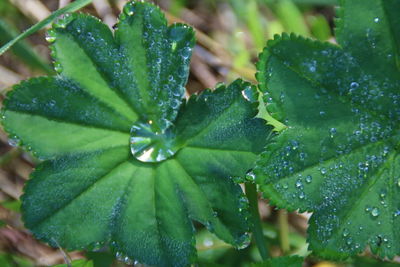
<point>230,35</point>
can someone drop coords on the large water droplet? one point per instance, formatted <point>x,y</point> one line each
<point>148,145</point>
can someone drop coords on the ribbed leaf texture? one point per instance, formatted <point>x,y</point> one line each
<point>127,161</point>
<point>339,155</point>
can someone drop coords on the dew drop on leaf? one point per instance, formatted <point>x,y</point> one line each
<point>149,145</point>
<point>244,241</point>
<point>345,232</point>
<point>354,85</point>
<point>375,212</point>
<point>332,132</point>
<point>14,141</point>
<point>250,176</point>
<point>50,39</point>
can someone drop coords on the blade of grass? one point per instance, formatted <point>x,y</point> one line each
<point>319,27</point>
<point>254,22</point>
<point>291,17</point>
<point>69,8</point>
<point>251,193</point>
<point>22,49</point>
<point>284,231</point>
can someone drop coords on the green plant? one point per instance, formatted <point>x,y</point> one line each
<point>131,164</point>
<point>127,162</point>
<point>338,157</point>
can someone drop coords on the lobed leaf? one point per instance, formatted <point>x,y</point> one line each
<point>129,163</point>
<point>338,157</point>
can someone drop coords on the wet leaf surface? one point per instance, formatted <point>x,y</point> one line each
<point>338,157</point>
<point>127,161</point>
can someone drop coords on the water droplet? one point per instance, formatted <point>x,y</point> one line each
<point>250,176</point>
<point>323,170</point>
<point>302,195</point>
<point>308,178</point>
<point>50,39</point>
<point>375,212</point>
<point>244,241</point>
<point>332,132</point>
<point>57,67</point>
<point>208,242</point>
<point>354,85</point>
<point>299,184</point>
<point>398,182</point>
<point>129,9</point>
<point>14,141</point>
<point>349,241</point>
<point>149,145</point>
<point>376,20</point>
<point>345,232</point>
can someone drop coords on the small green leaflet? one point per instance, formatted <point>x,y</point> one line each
<point>127,161</point>
<point>339,156</point>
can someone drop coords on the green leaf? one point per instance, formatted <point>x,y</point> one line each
<point>287,261</point>
<point>128,162</point>
<point>338,157</point>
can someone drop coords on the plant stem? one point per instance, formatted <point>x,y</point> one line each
<point>251,193</point>
<point>69,8</point>
<point>283,230</point>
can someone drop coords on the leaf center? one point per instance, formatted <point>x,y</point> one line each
<point>150,145</point>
